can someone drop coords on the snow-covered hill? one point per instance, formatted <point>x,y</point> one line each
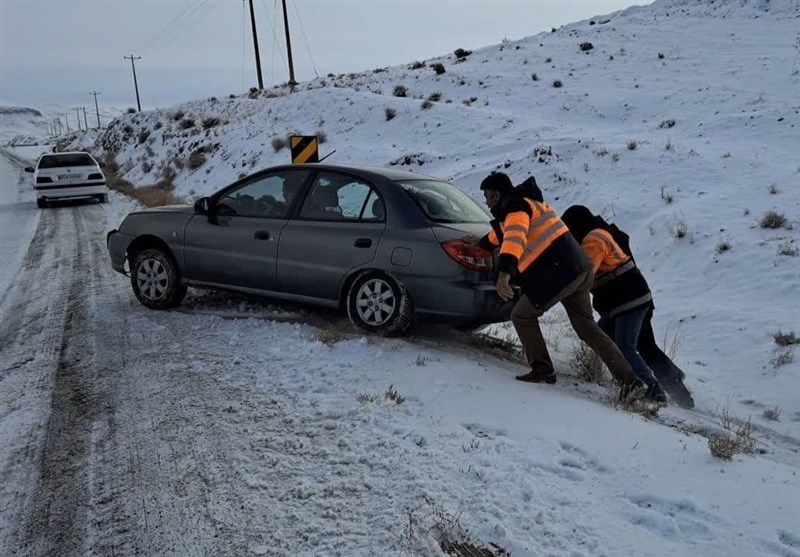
<point>21,125</point>
<point>681,123</point>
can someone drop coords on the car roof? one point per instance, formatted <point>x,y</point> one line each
<point>66,153</point>
<point>389,173</point>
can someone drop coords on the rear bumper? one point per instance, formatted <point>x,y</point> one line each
<point>66,192</point>
<point>458,301</point>
<point>117,244</point>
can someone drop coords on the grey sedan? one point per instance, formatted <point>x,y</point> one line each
<point>382,244</point>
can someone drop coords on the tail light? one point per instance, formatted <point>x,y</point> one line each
<point>95,176</point>
<point>477,259</point>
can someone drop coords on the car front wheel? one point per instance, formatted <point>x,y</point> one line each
<point>155,280</point>
<point>380,304</point>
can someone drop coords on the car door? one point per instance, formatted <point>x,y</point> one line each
<point>236,244</point>
<point>336,230</point>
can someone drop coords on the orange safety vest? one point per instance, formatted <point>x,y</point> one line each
<point>526,237</point>
<point>604,253</point>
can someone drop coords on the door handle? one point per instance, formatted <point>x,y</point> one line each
<point>363,242</point>
<point>261,235</point>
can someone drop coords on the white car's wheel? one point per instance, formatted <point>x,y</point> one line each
<point>380,304</point>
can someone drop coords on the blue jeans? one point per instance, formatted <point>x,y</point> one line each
<point>624,330</point>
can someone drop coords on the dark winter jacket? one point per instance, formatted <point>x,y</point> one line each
<point>550,260</point>
<point>619,285</point>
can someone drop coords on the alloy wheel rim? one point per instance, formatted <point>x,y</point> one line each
<point>152,279</point>
<point>375,302</point>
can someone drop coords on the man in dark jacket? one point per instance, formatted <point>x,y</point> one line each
<point>622,297</point>
<point>550,267</point>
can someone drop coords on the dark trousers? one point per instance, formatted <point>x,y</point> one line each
<point>625,329</point>
<point>575,299</point>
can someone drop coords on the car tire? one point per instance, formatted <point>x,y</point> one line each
<point>41,203</point>
<point>103,198</point>
<point>379,303</point>
<point>156,280</point>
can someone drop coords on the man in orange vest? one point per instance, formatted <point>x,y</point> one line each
<point>620,293</point>
<point>550,267</point>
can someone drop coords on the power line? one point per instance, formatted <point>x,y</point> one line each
<point>176,21</point>
<point>305,38</point>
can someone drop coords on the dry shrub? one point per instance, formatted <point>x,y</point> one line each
<point>279,143</point>
<point>438,68</point>
<point>772,414</point>
<point>390,113</point>
<point>392,394</point>
<point>322,137</point>
<point>587,363</point>
<point>773,219</point>
<point>782,358</point>
<point>196,159</point>
<point>785,339</point>
<point>741,442</point>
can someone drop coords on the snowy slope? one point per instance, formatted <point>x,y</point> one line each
<point>21,124</point>
<point>295,449</point>
<point>704,91</point>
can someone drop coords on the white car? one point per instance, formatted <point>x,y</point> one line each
<point>69,175</point>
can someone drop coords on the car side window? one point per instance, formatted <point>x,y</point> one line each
<point>336,197</point>
<point>269,196</point>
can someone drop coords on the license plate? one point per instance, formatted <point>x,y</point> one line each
<point>69,176</point>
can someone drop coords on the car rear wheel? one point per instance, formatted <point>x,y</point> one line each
<point>380,304</point>
<point>103,198</point>
<point>155,280</point>
<point>41,203</point>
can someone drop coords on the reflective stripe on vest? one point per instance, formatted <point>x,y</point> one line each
<point>600,280</point>
<point>613,261</point>
<point>544,228</point>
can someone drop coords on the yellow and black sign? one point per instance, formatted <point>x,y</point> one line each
<point>305,148</point>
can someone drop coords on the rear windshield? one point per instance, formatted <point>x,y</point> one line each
<point>443,202</point>
<point>60,161</point>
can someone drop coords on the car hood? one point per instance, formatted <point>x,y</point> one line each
<point>446,232</point>
<point>169,209</point>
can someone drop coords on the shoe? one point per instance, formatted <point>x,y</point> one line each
<point>548,377</point>
<point>656,394</point>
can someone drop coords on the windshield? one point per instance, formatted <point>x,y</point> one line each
<point>443,202</point>
<point>60,161</point>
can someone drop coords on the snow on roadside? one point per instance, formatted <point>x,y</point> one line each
<point>18,219</point>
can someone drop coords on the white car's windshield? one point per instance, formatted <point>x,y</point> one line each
<point>61,161</point>
<point>443,202</point>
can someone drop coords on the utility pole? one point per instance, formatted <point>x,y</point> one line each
<point>78,117</point>
<point>85,121</point>
<point>58,121</point>
<point>292,82</point>
<point>96,108</point>
<point>133,67</point>
<point>66,119</point>
<point>255,46</point>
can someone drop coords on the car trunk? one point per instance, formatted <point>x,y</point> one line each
<point>455,231</point>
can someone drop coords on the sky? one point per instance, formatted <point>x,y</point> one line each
<point>60,50</point>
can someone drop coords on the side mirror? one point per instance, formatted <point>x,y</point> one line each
<point>202,206</point>
<point>28,169</point>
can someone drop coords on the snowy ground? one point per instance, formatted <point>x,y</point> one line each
<point>233,427</point>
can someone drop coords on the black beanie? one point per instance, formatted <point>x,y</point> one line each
<point>497,181</point>
<point>580,221</point>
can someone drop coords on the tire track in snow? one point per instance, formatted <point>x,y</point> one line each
<point>31,334</point>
